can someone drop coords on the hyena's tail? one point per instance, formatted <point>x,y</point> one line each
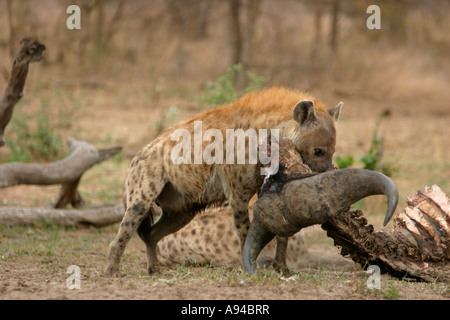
<point>144,228</point>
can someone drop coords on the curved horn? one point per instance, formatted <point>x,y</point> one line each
<point>305,202</point>
<point>318,197</point>
<point>258,237</point>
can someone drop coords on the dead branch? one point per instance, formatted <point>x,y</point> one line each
<point>112,25</point>
<point>67,171</point>
<point>97,217</point>
<point>30,51</point>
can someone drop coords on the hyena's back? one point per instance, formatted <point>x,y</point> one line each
<point>265,109</point>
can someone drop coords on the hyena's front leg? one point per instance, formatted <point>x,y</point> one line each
<point>240,184</point>
<point>279,261</point>
<point>239,208</point>
<point>242,224</point>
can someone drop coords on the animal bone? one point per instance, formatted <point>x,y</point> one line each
<point>287,203</point>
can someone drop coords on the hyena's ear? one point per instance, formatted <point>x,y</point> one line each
<point>304,112</point>
<point>335,111</point>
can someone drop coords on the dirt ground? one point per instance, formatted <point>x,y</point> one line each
<point>47,278</point>
<point>35,265</point>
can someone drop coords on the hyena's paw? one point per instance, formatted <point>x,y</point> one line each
<point>154,268</point>
<point>112,273</point>
<point>281,267</point>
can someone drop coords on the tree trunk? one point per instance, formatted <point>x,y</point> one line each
<point>111,28</point>
<point>69,194</point>
<point>252,14</point>
<point>316,42</point>
<point>235,28</point>
<point>99,22</point>
<point>82,156</point>
<point>179,19</point>
<point>29,51</point>
<point>334,43</point>
<point>203,19</point>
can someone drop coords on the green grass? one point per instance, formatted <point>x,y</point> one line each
<point>46,251</point>
<point>37,133</point>
<point>391,292</point>
<point>223,89</point>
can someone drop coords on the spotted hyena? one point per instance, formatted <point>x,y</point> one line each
<point>183,189</point>
<point>210,239</point>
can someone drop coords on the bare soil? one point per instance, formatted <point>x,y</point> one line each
<point>35,260</point>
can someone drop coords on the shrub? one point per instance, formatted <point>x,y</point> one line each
<point>223,90</point>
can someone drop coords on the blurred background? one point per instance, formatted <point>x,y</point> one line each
<point>136,67</point>
<point>182,44</point>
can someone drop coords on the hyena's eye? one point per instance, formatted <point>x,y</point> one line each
<point>319,152</point>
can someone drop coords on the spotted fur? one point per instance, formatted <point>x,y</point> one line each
<point>210,239</point>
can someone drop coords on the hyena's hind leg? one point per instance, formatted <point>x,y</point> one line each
<point>168,223</point>
<point>140,200</point>
<point>176,213</point>
<point>131,220</point>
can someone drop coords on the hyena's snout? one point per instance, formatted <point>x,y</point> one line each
<point>320,166</point>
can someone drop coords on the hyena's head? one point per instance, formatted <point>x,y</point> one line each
<point>314,134</point>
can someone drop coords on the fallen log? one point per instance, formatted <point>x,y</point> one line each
<point>96,217</point>
<point>67,171</point>
<point>30,51</point>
